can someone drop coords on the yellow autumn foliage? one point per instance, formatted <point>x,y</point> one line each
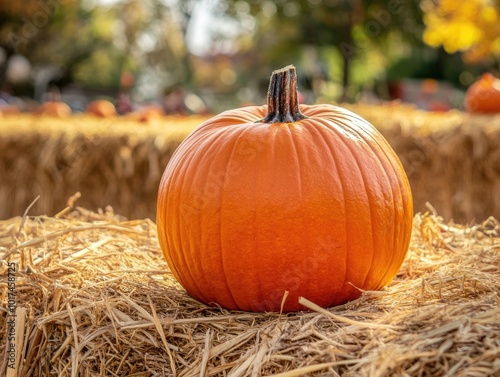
<point>472,27</point>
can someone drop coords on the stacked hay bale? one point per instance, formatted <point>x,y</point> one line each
<point>452,160</point>
<point>118,161</point>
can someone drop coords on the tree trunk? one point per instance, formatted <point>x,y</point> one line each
<point>346,69</point>
<point>9,52</point>
<point>353,10</point>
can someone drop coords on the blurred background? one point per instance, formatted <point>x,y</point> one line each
<point>218,54</point>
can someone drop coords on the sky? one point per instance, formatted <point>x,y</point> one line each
<point>198,38</point>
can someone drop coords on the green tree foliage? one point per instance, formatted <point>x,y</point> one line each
<point>24,25</point>
<point>68,36</point>
<point>91,43</point>
<point>154,34</point>
<point>356,32</point>
<point>350,42</point>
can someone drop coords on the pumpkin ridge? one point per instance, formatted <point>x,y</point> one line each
<point>330,147</point>
<point>224,268</point>
<point>212,144</point>
<point>257,295</point>
<point>332,127</point>
<point>405,214</point>
<point>297,159</point>
<point>299,183</point>
<point>179,250</point>
<point>229,118</point>
<point>164,237</point>
<point>366,186</point>
<point>260,294</point>
<point>193,158</point>
<point>394,164</point>
<point>397,233</point>
<point>165,186</point>
<point>383,160</point>
<point>343,123</point>
<point>403,185</point>
<point>261,186</point>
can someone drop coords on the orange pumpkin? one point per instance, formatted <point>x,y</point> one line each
<point>148,113</point>
<point>266,199</point>
<point>484,95</point>
<point>54,109</point>
<point>101,108</point>
<point>9,110</point>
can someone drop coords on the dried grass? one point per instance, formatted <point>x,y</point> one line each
<point>116,161</point>
<point>452,160</point>
<point>99,300</point>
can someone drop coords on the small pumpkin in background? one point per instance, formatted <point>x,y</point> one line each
<point>101,108</point>
<point>9,110</point>
<point>263,200</point>
<point>483,96</point>
<point>148,113</point>
<point>54,109</point>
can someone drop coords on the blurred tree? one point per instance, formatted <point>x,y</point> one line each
<point>64,41</point>
<point>22,23</point>
<point>155,35</point>
<point>286,30</point>
<point>471,27</point>
<point>81,39</point>
<point>350,41</point>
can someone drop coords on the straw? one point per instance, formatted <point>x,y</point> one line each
<point>99,299</point>
<point>452,159</point>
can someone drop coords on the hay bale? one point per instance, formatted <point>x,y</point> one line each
<point>95,297</point>
<point>452,160</point>
<point>117,161</point>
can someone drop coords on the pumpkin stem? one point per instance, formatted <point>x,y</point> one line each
<point>282,98</point>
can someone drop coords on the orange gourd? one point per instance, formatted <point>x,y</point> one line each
<point>54,109</point>
<point>148,113</point>
<point>101,108</point>
<point>483,96</point>
<point>261,200</point>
